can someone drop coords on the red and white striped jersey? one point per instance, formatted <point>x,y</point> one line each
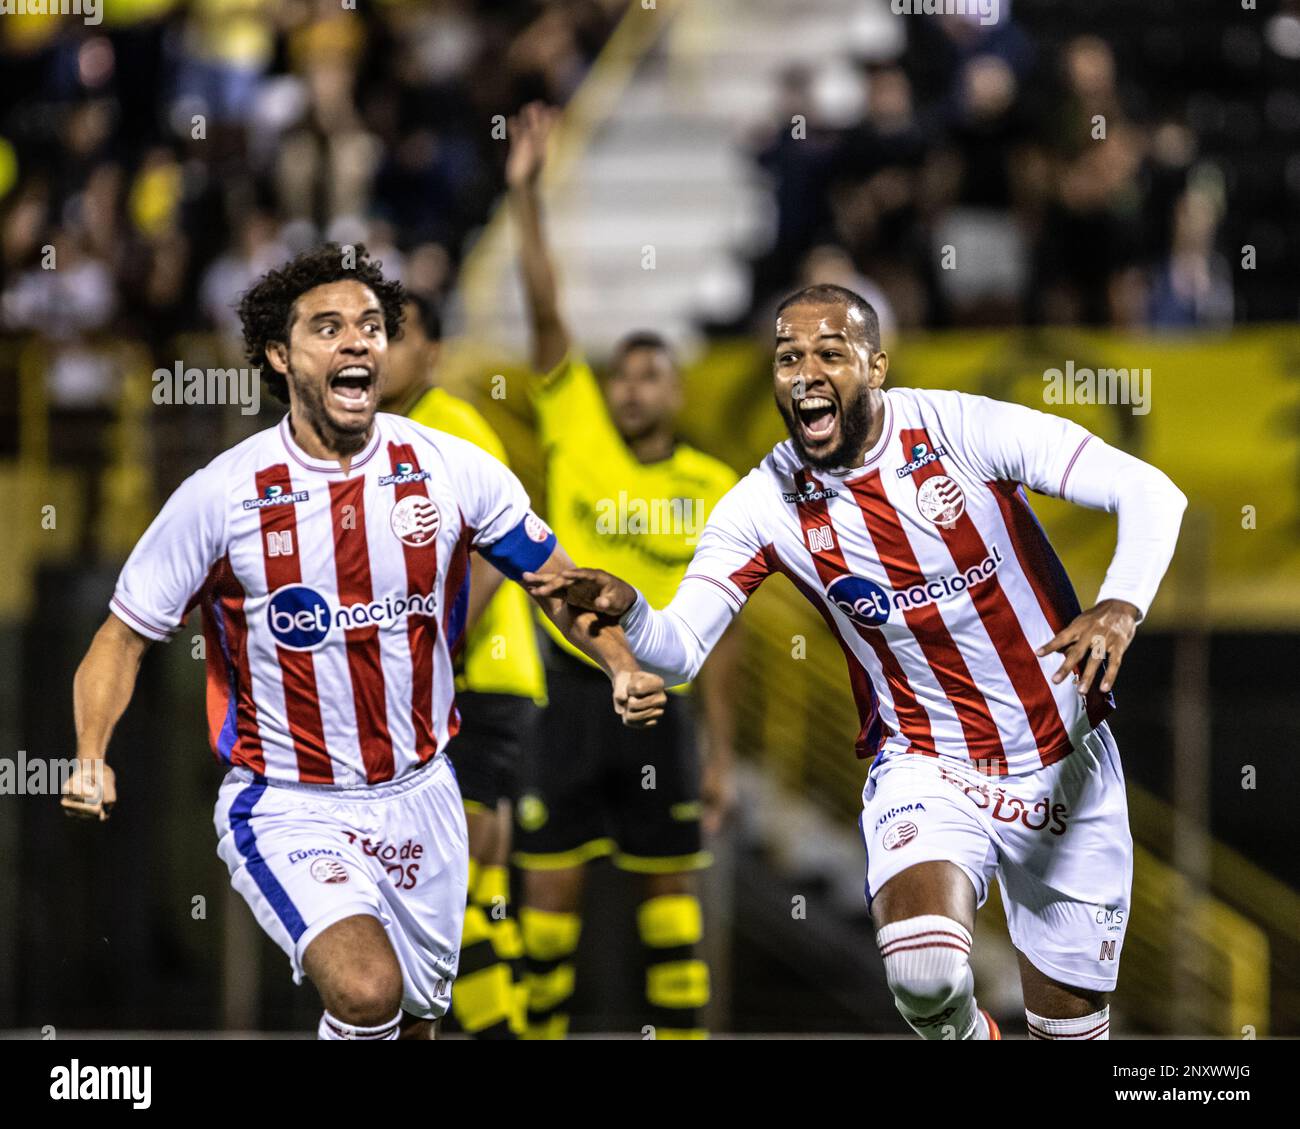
<point>933,572</point>
<point>332,603</point>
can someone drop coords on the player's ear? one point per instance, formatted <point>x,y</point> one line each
<point>879,369</point>
<point>277,353</point>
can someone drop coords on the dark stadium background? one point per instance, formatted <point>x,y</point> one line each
<point>380,125</point>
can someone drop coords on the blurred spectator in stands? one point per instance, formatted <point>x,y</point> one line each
<point>1193,285</point>
<point>226,47</point>
<point>327,163</point>
<point>1088,264</point>
<point>799,158</point>
<point>258,248</point>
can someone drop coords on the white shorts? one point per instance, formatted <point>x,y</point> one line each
<point>305,856</point>
<point>1057,839</point>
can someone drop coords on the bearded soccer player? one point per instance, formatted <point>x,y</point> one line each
<point>612,455</point>
<point>901,515</point>
<point>500,687</point>
<point>330,557</point>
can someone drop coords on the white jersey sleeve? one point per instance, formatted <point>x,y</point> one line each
<point>730,561</point>
<point>1012,443</point>
<point>496,507</point>
<point>170,563</point>
<point>1057,457</point>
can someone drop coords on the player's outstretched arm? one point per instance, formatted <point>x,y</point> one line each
<point>673,642</point>
<point>639,697</point>
<point>528,134</point>
<point>101,691</point>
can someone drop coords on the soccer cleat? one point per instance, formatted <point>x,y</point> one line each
<point>995,1032</point>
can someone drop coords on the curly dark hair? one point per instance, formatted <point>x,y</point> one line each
<point>266,310</point>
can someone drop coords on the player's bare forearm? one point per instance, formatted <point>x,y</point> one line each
<point>104,683</point>
<point>101,691</point>
<point>639,697</point>
<point>528,133</point>
<point>599,637</point>
<point>549,332</point>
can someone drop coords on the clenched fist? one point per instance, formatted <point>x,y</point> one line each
<point>639,698</point>
<point>91,791</point>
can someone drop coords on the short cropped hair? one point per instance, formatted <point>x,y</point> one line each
<point>641,339</point>
<point>842,296</point>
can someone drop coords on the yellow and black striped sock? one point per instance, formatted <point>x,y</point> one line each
<point>482,997</point>
<point>550,942</point>
<point>676,980</point>
<point>492,893</point>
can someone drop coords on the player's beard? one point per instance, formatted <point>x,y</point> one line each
<point>855,427</point>
<point>309,396</point>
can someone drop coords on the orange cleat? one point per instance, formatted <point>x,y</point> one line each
<point>995,1032</point>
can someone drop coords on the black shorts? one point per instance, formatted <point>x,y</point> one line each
<point>592,787</point>
<point>486,753</point>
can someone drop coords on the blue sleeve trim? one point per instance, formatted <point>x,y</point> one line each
<point>516,553</point>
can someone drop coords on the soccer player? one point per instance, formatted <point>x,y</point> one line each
<point>500,687</point>
<point>330,557</point>
<point>623,492</point>
<point>901,515</point>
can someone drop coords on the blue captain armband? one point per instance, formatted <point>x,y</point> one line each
<point>524,549</point>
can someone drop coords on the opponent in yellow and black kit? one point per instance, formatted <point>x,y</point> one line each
<point>624,495</point>
<point>500,687</point>
<point>591,789</point>
<point>616,513</point>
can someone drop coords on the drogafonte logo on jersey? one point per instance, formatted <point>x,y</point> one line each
<point>406,472</point>
<point>809,493</point>
<point>863,601</point>
<point>274,495</point>
<point>941,501</point>
<point>921,456</point>
<point>415,520</point>
<point>301,619</point>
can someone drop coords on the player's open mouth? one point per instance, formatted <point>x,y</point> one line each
<point>350,388</point>
<point>816,418</point>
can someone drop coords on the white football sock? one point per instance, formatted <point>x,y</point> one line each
<point>333,1029</point>
<point>927,964</point>
<point>1086,1027</point>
